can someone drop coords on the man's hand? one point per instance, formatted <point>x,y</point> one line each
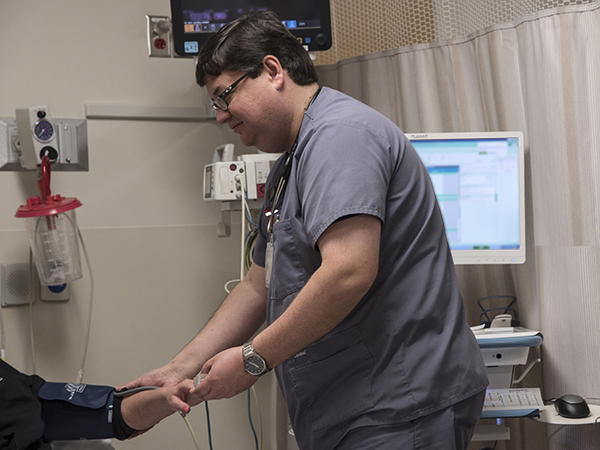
<point>225,378</point>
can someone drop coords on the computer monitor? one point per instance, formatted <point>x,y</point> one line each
<point>479,181</point>
<point>194,21</point>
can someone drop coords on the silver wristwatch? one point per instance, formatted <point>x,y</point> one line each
<point>253,363</point>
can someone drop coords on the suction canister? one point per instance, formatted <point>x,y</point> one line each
<point>51,225</point>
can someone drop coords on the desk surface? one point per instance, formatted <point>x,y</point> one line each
<point>550,416</point>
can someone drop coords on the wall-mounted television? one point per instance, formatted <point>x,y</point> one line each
<point>194,21</point>
<point>479,181</point>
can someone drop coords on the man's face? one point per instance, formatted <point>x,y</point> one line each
<point>249,106</point>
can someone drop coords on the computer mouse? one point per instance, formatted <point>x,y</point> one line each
<point>572,406</point>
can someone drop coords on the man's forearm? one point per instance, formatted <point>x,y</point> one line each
<point>236,320</point>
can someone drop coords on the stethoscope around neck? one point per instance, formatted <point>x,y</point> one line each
<point>272,210</point>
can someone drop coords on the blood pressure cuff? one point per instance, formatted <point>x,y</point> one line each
<point>77,411</point>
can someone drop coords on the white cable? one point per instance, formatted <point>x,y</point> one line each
<point>226,287</point>
<point>91,304</point>
<point>187,422</point>
<point>240,179</point>
<point>32,298</point>
<point>260,428</point>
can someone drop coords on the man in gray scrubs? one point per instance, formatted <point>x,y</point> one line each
<point>352,271</point>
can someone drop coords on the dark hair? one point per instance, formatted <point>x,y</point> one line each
<point>242,45</point>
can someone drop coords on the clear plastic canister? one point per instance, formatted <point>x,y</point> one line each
<point>52,230</point>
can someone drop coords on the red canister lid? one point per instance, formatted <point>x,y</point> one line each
<point>55,204</point>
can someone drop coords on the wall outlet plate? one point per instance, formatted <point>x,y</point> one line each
<point>158,34</point>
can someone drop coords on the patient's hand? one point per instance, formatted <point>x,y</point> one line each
<point>143,410</point>
<point>163,376</point>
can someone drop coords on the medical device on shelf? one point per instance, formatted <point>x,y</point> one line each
<point>239,183</point>
<point>503,348</point>
<point>222,177</point>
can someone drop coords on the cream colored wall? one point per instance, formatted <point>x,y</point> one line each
<point>159,268</point>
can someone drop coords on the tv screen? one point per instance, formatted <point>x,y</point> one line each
<point>479,181</point>
<point>194,21</point>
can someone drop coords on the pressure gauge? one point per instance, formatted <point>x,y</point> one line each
<point>43,130</point>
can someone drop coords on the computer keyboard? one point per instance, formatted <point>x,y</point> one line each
<point>512,402</point>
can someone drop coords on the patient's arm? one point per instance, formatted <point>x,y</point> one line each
<point>143,410</point>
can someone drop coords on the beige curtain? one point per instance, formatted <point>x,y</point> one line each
<point>540,75</point>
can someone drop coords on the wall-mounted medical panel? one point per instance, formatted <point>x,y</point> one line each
<point>71,142</point>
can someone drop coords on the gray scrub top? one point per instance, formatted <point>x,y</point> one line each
<point>406,350</point>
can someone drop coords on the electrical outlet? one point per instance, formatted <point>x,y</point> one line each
<point>158,29</point>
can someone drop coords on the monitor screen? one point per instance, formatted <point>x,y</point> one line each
<point>194,21</point>
<point>479,182</point>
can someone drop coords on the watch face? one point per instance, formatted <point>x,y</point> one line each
<point>255,365</point>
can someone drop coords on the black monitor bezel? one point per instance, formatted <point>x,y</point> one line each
<point>320,38</point>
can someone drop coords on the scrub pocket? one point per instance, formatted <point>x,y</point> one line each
<point>332,380</point>
<point>288,273</point>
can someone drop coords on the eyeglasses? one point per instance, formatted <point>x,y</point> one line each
<point>219,102</point>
